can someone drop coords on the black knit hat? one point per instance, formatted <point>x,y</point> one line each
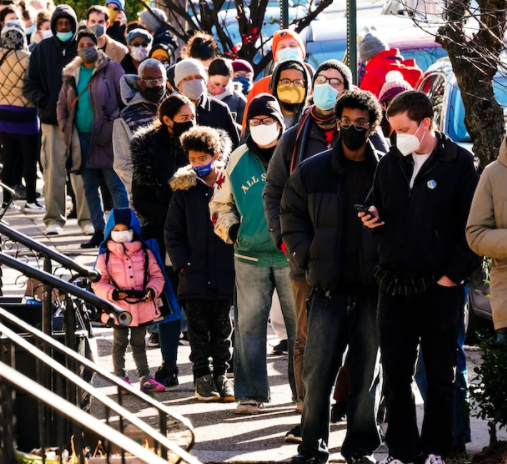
<point>342,68</point>
<point>265,104</point>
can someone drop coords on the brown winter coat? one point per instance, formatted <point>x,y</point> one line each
<point>487,230</point>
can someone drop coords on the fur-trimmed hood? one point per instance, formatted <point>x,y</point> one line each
<point>72,69</point>
<point>186,178</point>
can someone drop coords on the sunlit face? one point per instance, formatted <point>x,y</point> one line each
<point>186,113</point>
<point>217,84</point>
<point>199,158</point>
<point>86,42</point>
<point>97,18</point>
<point>45,26</point>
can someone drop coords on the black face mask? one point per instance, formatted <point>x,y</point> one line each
<point>154,94</point>
<point>353,138</point>
<point>180,128</point>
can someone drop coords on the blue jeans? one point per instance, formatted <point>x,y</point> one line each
<point>254,291</point>
<point>91,187</point>
<point>333,323</point>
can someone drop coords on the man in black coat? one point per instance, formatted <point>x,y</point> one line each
<point>321,231</point>
<point>43,81</point>
<point>422,193</point>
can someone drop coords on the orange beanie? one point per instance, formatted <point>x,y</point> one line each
<point>283,34</point>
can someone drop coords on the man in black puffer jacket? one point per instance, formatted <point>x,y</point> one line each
<point>321,231</point>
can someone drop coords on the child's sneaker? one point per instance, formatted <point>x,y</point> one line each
<point>150,385</point>
<point>225,388</point>
<point>205,389</point>
<point>167,376</point>
<point>123,391</point>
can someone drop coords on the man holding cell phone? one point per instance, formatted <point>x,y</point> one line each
<point>421,198</point>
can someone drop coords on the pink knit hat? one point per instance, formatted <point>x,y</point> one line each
<point>394,85</point>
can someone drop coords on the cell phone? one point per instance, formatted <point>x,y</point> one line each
<point>364,209</point>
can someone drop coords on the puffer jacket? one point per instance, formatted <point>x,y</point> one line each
<point>487,230</point>
<point>12,73</point>
<point>312,211</point>
<point>126,265</point>
<point>205,263</point>
<point>104,94</point>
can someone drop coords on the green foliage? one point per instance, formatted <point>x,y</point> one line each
<point>488,390</point>
<point>81,7</point>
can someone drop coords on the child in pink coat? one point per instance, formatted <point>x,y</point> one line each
<point>133,281</point>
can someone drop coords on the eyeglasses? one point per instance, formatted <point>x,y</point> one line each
<point>333,81</point>
<point>358,126</point>
<point>137,45</point>
<point>258,122</point>
<point>296,82</point>
<point>154,81</point>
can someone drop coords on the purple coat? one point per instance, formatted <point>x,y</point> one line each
<point>104,93</point>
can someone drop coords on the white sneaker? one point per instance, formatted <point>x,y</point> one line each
<point>53,228</point>
<point>393,460</point>
<point>12,207</point>
<point>434,459</point>
<point>248,407</point>
<point>34,208</point>
<point>88,229</point>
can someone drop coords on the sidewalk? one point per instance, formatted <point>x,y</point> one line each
<point>221,435</point>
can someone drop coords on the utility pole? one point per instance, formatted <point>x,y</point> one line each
<point>352,38</point>
<point>284,14</point>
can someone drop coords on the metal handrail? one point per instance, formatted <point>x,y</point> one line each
<point>20,381</point>
<point>162,409</point>
<point>85,271</point>
<point>124,317</point>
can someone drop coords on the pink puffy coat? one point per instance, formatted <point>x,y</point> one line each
<point>126,267</point>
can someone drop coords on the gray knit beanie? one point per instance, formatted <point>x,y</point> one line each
<point>370,45</point>
<point>151,23</point>
<point>342,68</point>
<point>188,67</point>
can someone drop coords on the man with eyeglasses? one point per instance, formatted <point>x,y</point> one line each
<point>261,267</point>
<point>142,94</point>
<point>320,229</point>
<point>139,45</point>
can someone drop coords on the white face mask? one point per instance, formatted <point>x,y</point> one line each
<point>264,135</point>
<point>408,143</point>
<point>47,34</point>
<point>122,236</point>
<point>139,53</point>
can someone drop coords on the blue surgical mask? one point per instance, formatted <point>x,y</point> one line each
<point>64,36</point>
<point>324,96</point>
<point>204,170</point>
<point>288,54</point>
<point>30,30</point>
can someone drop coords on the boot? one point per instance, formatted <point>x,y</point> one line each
<point>95,241</point>
<point>167,375</point>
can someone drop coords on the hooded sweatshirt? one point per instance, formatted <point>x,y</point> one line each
<point>43,79</point>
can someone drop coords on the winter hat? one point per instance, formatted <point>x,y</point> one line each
<point>371,44</point>
<point>242,65</point>
<point>138,32</point>
<point>150,21</point>
<point>13,36</point>
<point>394,85</point>
<point>119,3</point>
<point>265,104</point>
<point>188,67</point>
<point>342,68</point>
<point>283,34</point>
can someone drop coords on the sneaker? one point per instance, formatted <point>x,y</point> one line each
<point>87,228</point>
<point>299,406</point>
<point>153,340</point>
<point>294,435</point>
<point>12,207</point>
<point>53,229</point>
<point>225,388</point>
<point>95,241</point>
<point>339,411</point>
<point>122,391</point>
<point>150,385</point>
<point>306,458</point>
<point>393,460</point>
<point>34,208</point>
<point>205,389</point>
<point>281,348</point>
<point>167,375</point>
<point>248,407</point>
<point>362,458</point>
<point>434,459</point>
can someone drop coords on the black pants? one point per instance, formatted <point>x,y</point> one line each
<point>209,333</point>
<point>433,318</point>
<point>21,153</point>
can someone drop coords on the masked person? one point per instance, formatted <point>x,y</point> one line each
<point>142,95</point>
<point>156,156</point>
<point>117,20</point>
<point>190,79</point>
<point>261,267</point>
<point>243,74</point>
<point>43,83</point>
<point>42,29</point>
<point>97,20</point>
<point>89,103</point>
<point>320,230</point>
<point>155,22</point>
<point>139,45</point>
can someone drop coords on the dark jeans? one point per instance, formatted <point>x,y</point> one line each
<point>431,318</point>
<point>209,334</point>
<point>333,323</point>
<point>169,337</point>
<point>20,150</point>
